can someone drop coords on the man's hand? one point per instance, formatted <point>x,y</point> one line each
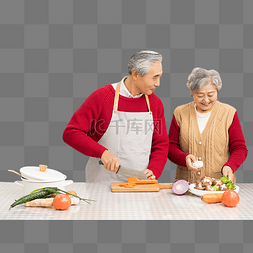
<point>227,171</point>
<point>190,159</point>
<point>110,161</point>
<point>149,173</point>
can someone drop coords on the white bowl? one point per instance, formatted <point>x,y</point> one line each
<point>202,192</point>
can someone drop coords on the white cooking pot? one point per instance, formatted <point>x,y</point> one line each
<point>30,185</point>
<point>37,179</point>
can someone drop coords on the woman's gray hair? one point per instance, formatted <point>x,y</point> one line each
<point>142,60</point>
<point>200,77</point>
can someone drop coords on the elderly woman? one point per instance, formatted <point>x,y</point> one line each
<point>206,130</point>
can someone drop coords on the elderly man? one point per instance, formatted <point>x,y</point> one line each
<point>123,124</point>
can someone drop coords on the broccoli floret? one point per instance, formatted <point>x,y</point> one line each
<point>228,182</point>
<point>224,179</point>
<point>231,186</point>
<point>215,187</point>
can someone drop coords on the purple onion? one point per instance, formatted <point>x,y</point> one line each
<point>180,187</point>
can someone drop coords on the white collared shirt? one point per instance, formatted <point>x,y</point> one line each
<point>124,91</point>
<point>202,119</point>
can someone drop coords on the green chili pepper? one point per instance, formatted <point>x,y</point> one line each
<point>35,195</point>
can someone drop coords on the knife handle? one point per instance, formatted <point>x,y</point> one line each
<point>101,163</point>
<point>118,169</point>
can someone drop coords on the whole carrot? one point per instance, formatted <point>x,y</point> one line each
<point>212,197</point>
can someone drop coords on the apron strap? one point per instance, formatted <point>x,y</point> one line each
<point>116,99</point>
<point>147,99</point>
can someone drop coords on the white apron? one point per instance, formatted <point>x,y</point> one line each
<point>128,137</point>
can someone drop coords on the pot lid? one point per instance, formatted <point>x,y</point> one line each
<point>34,173</point>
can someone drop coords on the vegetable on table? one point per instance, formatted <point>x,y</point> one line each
<point>45,192</point>
<point>216,187</point>
<point>134,180</point>
<point>74,201</point>
<point>230,198</point>
<point>228,182</point>
<point>224,179</point>
<point>211,184</point>
<point>209,188</point>
<point>72,192</point>
<point>127,185</point>
<point>180,187</point>
<point>212,197</point>
<point>62,202</point>
<point>40,193</point>
<point>48,202</point>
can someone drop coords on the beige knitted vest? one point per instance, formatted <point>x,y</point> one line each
<point>211,147</point>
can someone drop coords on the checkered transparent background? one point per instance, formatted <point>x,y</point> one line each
<point>54,53</point>
<point>126,236</point>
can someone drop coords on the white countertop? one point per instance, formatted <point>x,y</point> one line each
<point>163,205</point>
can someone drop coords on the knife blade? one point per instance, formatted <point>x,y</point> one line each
<point>129,172</point>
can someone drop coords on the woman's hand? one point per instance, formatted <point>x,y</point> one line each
<point>227,171</point>
<point>110,161</point>
<point>149,173</point>
<point>190,159</point>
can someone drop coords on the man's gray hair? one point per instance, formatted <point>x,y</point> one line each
<point>142,60</point>
<point>200,77</point>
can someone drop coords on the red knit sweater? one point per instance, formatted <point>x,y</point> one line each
<point>90,121</point>
<point>237,147</point>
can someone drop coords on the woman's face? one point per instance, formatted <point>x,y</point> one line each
<point>205,98</point>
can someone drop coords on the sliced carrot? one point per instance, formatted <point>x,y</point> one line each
<point>122,184</point>
<point>130,185</point>
<point>127,185</point>
<point>134,180</point>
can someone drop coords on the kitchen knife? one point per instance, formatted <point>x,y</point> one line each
<point>129,172</point>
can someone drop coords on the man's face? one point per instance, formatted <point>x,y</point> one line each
<point>147,84</point>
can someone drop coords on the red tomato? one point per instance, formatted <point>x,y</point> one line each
<point>230,198</point>
<point>62,202</point>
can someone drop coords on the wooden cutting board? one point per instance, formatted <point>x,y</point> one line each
<point>140,187</point>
